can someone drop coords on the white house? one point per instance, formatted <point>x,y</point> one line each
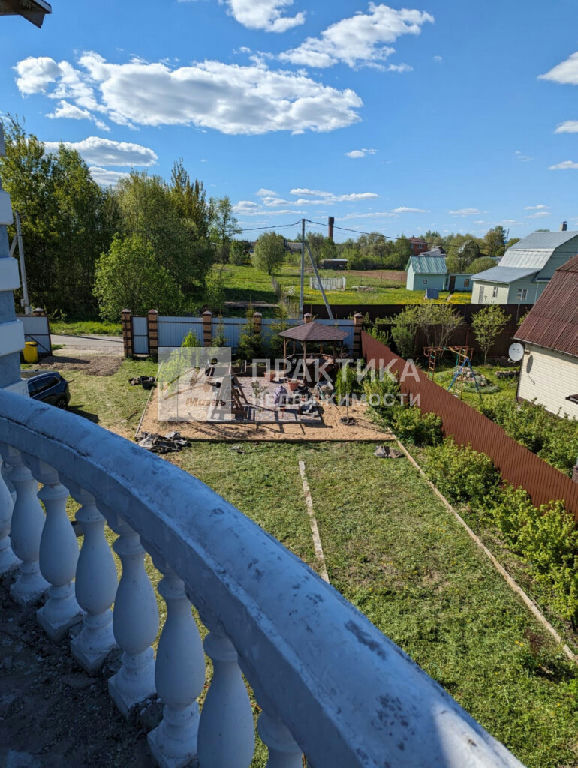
<point>549,372</point>
<point>525,269</point>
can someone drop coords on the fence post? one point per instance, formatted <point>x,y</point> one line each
<point>153,333</point>
<point>207,328</point>
<point>127,332</point>
<point>357,328</point>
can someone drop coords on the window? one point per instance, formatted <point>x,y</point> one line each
<point>466,283</point>
<point>522,294</point>
<point>425,282</point>
<point>495,292</point>
<point>481,294</point>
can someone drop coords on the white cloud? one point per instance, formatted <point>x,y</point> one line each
<point>405,209</point>
<point>438,59</point>
<point>569,126</point>
<point>266,193</point>
<point>359,40</point>
<point>264,14</point>
<point>250,208</point>
<point>105,177</point>
<point>522,157</point>
<point>107,152</point>
<point>359,153</point>
<point>370,215</point>
<point>229,98</point>
<point>539,214</point>
<point>566,72</point>
<point>72,112</point>
<point>538,207</point>
<point>564,166</point>
<point>319,197</point>
<point>465,212</point>
<point>245,206</point>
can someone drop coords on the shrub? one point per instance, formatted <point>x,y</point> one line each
<point>190,340</point>
<point>463,474</point>
<point>387,390</point>
<point>417,427</point>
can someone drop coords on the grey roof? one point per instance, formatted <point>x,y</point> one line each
<point>536,249</point>
<point>429,263</point>
<point>504,274</point>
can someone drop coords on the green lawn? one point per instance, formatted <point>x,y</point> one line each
<point>395,552</point>
<point>506,387</point>
<point>246,283</point>
<point>85,327</point>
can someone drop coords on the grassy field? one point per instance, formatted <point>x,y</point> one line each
<point>395,552</point>
<point>246,283</point>
<point>85,327</point>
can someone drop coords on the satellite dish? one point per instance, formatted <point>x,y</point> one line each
<point>516,352</point>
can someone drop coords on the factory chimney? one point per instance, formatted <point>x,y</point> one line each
<point>564,226</point>
<point>330,222</point>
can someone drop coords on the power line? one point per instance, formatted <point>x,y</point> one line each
<point>272,226</point>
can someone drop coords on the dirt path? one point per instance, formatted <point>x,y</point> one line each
<point>87,345</point>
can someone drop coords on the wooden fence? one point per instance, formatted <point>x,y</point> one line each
<point>467,426</point>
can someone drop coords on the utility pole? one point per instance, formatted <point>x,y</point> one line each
<point>302,269</point>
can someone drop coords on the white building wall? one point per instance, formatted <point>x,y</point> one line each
<point>549,377</point>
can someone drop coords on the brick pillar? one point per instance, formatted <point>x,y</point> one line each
<point>207,328</point>
<point>308,317</point>
<point>153,333</point>
<point>126,323</point>
<point>357,328</point>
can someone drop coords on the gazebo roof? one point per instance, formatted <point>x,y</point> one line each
<point>314,332</point>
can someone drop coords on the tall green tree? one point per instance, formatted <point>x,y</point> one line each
<point>269,252</point>
<point>67,220</point>
<point>129,276</point>
<point>224,227</point>
<point>495,241</point>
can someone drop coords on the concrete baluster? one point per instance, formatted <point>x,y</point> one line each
<point>96,584</point>
<point>8,560</point>
<point>135,624</point>
<point>27,525</point>
<point>58,554</point>
<point>284,752</point>
<point>226,733</point>
<point>179,676</point>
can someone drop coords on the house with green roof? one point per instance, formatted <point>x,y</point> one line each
<point>525,269</point>
<point>428,270</point>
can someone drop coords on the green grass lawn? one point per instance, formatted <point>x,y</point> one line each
<point>395,552</point>
<point>506,387</point>
<point>246,283</point>
<point>85,327</point>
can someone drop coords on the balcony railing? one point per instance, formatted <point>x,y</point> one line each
<point>329,684</point>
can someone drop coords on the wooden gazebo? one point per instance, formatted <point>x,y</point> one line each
<point>312,332</point>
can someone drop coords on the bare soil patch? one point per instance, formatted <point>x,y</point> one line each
<point>331,428</point>
<point>99,365</point>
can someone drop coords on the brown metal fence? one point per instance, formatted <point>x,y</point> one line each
<point>467,426</point>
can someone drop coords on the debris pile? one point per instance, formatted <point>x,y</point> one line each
<point>512,373</point>
<point>385,452</point>
<point>147,382</point>
<point>169,443</point>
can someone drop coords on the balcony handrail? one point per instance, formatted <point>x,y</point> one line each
<point>348,695</point>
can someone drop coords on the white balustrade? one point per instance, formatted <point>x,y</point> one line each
<point>58,553</point>
<point>135,623</point>
<point>284,752</point>
<point>226,730</point>
<point>179,675</point>
<point>27,525</point>
<point>8,560</point>
<point>96,584</point>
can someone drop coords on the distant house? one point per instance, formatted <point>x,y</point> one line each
<point>418,245</point>
<point>525,269</point>
<point>459,282</point>
<point>334,263</point>
<point>427,270</point>
<point>549,370</point>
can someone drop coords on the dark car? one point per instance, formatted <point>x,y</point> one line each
<point>50,388</point>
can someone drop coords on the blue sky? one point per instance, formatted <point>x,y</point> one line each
<point>441,114</point>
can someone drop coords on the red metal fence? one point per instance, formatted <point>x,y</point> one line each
<point>467,426</point>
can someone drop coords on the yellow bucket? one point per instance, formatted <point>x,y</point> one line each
<point>30,352</point>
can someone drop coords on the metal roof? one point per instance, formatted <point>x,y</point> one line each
<point>504,275</point>
<point>426,264</point>
<point>33,10</point>
<point>537,249</point>
<point>553,321</point>
<point>314,332</point>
